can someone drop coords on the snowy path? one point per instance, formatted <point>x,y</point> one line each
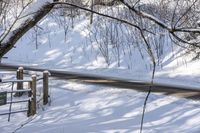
<point>166,89</point>
<point>78,108</point>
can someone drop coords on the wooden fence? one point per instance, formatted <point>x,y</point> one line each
<point>20,90</point>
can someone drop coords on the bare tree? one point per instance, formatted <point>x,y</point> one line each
<point>182,26</point>
<point>151,22</point>
<point>11,34</point>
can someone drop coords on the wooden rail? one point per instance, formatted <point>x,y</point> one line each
<point>32,88</point>
<point>31,104</point>
<point>44,78</point>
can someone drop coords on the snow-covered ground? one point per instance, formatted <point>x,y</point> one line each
<point>77,53</point>
<point>78,108</point>
<point>47,46</point>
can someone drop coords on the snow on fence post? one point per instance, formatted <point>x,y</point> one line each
<point>45,87</point>
<point>33,99</point>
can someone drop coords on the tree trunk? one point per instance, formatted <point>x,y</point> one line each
<point>25,27</point>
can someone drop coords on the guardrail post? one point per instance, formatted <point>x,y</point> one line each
<point>45,87</point>
<point>19,76</point>
<point>33,99</point>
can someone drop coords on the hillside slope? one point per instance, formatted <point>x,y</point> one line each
<point>47,46</point>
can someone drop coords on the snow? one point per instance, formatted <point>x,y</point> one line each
<point>78,54</point>
<point>87,108</point>
<point>20,18</point>
<point>80,108</point>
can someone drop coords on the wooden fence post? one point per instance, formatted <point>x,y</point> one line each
<point>33,100</point>
<point>29,87</point>
<point>45,87</point>
<point>19,76</point>
<point>29,109</point>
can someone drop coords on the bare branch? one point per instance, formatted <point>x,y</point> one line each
<point>26,26</point>
<point>101,14</point>
<point>157,21</point>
